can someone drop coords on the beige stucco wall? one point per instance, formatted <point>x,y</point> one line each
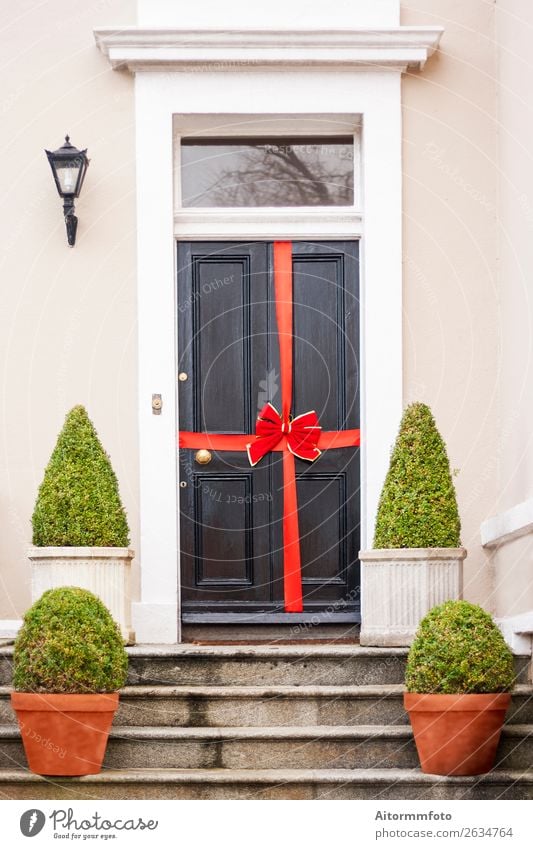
<point>451,301</point>
<point>67,319</point>
<point>514,561</point>
<point>67,332</point>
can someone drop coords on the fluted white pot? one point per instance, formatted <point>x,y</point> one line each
<point>105,571</point>
<point>400,585</point>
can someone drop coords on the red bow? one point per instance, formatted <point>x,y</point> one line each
<point>301,435</point>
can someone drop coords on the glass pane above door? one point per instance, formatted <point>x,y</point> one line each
<point>256,172</point>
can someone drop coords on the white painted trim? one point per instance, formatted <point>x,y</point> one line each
<point>511,524</point>
<point>331,223</point>
<point>157,310</point>
<point>374,95</point>
<point>9,628</point>
<point>155,48</point>
<point>155,623</point>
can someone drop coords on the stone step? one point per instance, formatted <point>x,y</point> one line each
<point>223,665</point>
<point>301,665</point>
<point>283,747</point>
<point>266,665</point>
<point>314,747</point>
<point>378,704</point>
<point>228,706</point>
<point>267,784</point>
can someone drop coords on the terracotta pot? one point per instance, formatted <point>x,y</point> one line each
<point>457,734</point>
<point>64,734</point>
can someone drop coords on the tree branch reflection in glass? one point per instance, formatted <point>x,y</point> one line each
<point>256,172</point>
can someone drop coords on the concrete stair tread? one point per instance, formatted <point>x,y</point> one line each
<point>270,776</point>
<point>251,732</point>
<point>518,730</point>
<point>257,691</point>
<point>271,691</point>
<point>263,651</point>
<point>253,651</point>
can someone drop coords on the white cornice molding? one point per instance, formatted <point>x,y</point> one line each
<point>153,48</point>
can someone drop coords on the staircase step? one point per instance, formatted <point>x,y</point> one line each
<point>192,665</point>
<point>226,706</point>
<point>267,784</point>
<point>283,747</point>
<point>378,704</point>
<point>313,747</point>
<point>293,665</point>
<point>266,665</point>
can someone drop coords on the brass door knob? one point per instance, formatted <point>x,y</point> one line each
<point>203,456</point>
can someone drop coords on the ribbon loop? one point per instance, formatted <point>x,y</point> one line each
<point>301,435</point>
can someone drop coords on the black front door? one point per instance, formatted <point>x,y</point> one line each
<point>231,514</point>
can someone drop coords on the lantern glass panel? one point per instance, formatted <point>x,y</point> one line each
<point>67,175</point>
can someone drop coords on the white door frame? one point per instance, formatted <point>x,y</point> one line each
<point>374,96</point>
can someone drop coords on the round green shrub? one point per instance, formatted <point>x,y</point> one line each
<point>78,501</point>
<point>459,649</point>
<point>418,506</point>
<point>69,643</point>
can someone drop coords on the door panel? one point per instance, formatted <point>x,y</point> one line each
<point>231,514</point>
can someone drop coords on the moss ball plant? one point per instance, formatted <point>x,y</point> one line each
<point>78,503</point>
<point>418,506</point>
<point>69,643</point>
<point>459,649</point>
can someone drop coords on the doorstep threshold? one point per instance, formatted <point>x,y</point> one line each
<point>265,618</point>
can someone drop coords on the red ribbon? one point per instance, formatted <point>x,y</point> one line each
<point>300,437</point>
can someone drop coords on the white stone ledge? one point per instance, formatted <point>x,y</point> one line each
<point>9,628</point>
<point>511,524</point>
<point>145,48</point>
<point>518,631</point>
<point>67,552</point>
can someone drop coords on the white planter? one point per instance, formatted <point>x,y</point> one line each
<point>400,585</point>
<point>103,571</point>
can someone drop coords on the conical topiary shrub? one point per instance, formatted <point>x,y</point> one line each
<point>417,560</point>
<point>418,506</point>
<point>78,503</point>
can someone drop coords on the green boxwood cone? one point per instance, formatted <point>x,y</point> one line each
<point>418,506</point>
<point>78,503</point>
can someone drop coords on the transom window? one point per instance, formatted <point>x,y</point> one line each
<point>267,171</point>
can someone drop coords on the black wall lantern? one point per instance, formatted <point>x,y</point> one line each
<point>68,166</point>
